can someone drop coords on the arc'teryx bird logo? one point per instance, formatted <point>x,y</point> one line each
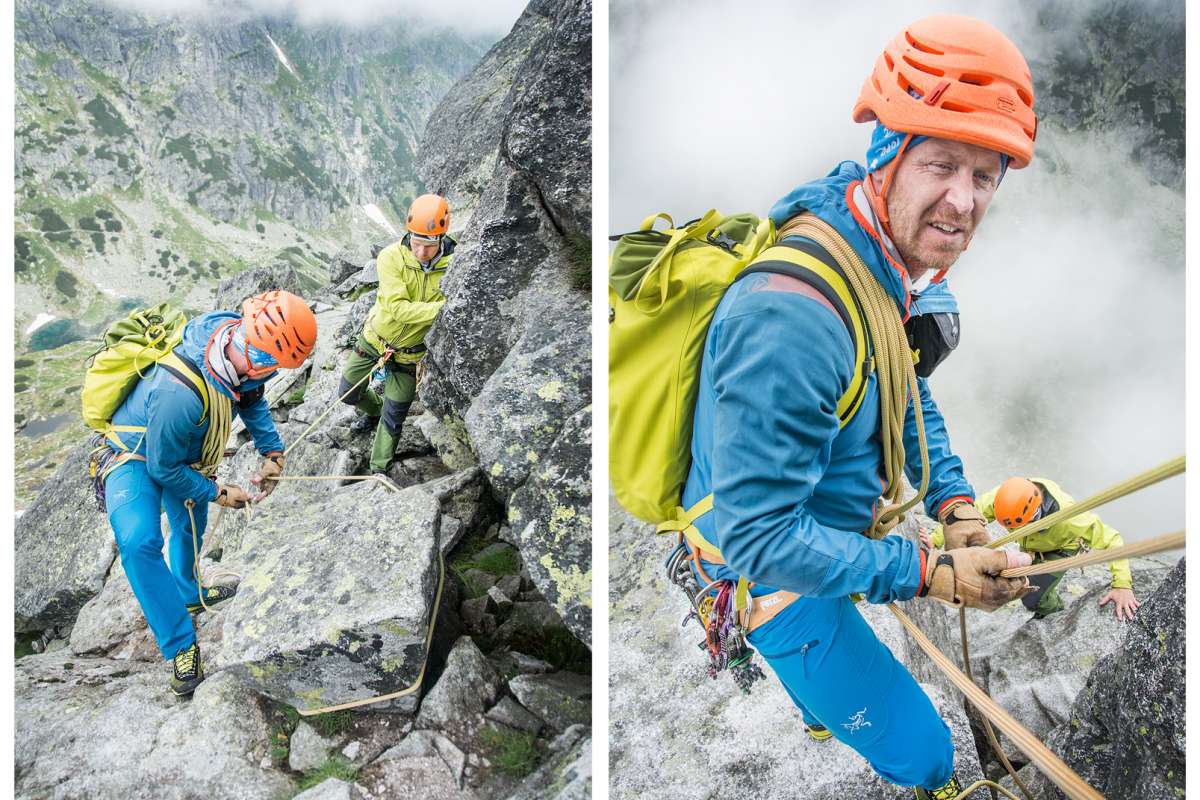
<point>859,720</point>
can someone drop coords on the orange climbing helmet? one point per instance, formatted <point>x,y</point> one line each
<point>429,216</point>
<point>280,325</point>
<point>1017,501</point>
<point>958,78</point>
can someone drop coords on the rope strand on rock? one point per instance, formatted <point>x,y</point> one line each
<point>1050,764</point>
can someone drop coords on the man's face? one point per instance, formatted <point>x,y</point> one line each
<point>425,250</point>
<point>937,198</point>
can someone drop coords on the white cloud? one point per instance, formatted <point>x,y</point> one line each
<point>469,17</point>
<point>1071,365</point>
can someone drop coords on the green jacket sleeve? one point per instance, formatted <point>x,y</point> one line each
<point>395,296</point>
<point>987,504</point>
<point>1098,536</point>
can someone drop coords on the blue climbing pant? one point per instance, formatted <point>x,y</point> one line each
<point>840,675</point>
<point>134,502</point>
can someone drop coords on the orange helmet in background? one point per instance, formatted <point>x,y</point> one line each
<point>281,325</point>
<point>429,216</point>
<point>972,85</point>
<point>1017,501</point>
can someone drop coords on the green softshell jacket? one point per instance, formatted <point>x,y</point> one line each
<point>1084,529</point>
<point>409,300</point>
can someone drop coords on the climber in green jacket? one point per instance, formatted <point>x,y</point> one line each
<point>1020,501</point>
<point>409,299</point>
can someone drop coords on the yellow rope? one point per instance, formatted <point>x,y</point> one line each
<point>1051,765</point>
<point>382,360</point>
<point>1148,478</point>
<point>894,369</point>
<point>987,724</point>
<point>984,783</point>
<point>1168,541</point>
<point>191,504</point>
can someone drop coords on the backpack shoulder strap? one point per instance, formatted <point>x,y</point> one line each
<point>189,375</point>
<point>807,261</point>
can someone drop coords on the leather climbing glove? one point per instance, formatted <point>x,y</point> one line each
<point>972,575</point>
<point>272,467</point>
<point>230,496</point>
<point>963,526</point>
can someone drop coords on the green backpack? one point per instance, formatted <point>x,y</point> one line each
<point>664,287</point>
<point>132,345</point>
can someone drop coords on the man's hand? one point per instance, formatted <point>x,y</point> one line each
<point>1124,603</point>
<point>963,526</point>
<point>972,575</point>
<point>272,467</point>
<point>230,496</point>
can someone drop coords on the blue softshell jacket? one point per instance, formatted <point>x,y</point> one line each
<point>792,491</point>
<point>169,409</point>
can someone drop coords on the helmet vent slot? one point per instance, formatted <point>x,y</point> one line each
<point>975,79</point>
<point>924,48</point>
<point>923,67</point>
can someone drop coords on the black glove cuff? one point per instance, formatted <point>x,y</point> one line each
<point>943,560</point>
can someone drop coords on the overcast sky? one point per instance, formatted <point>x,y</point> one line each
<point>470,17</point>
<point>1072,360</point>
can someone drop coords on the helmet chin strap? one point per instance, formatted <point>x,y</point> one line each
<point>879,201</point>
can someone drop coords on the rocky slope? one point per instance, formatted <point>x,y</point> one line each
<point>182,151</point>
<point>347,591</point>
<point>672,726</point>
<point>509,367</point>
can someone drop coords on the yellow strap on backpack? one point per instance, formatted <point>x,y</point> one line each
<point>215,406</point>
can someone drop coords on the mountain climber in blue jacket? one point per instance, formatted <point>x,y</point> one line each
<point>167,460</point>
<point>792,491</point>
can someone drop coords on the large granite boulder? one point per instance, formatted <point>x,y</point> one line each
<point>460,166</point>
<point>1126,735</point>
<point>544,139</point>
<point>464,690</point>
<point>336,598</point>
<point>674,732</point>
<point>63,548</point>
<point>102,728</point>
<point>509,366</point>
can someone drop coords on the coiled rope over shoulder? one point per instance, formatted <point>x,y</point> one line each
<point>893,365</point>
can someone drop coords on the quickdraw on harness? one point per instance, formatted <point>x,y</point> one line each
<point>714,609</point>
